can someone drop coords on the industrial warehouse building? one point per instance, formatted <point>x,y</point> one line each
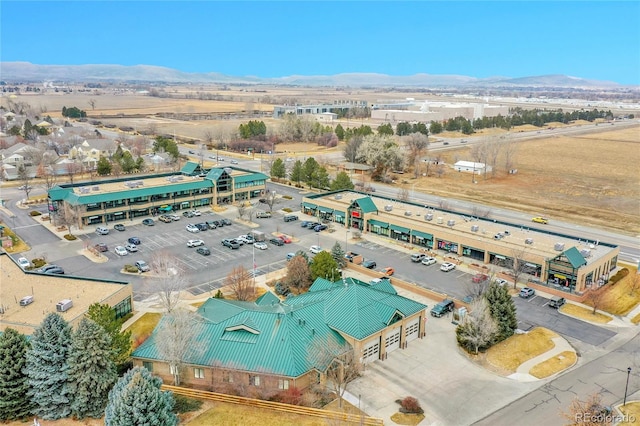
<point>127,198</point>
<point>46,291</point>
<point>273,345</point>
<point>563,262</point>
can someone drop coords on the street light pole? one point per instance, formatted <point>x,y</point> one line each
<point>626,387</point>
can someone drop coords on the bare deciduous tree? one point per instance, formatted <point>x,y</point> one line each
<point>298,273</point>
<point>69,216</point>
<point>595,298</point>
<point>240,282</point>
<point>170,281</point>
<point>517,265</point>
<point>510,149</point>
<point>92,103</point>
<point>176,340</point>
<point>588,412</point>
<point>24,176</point>
<point>271,198</point>
<point>416,144</point>
<point>403,194</point>
<point>72,169</point>
<point>338,361</point>
<point>243,209</point>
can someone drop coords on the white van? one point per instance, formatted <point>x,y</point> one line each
<point>101,230</point>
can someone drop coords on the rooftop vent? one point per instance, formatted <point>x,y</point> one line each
<point>558,246</point>
<point>388,208</point>
<point>338,197</point>
<point>407,213</point>
<point>451,222</point>
<point>585,253</point>
<point>474,228</point>
<point>439,220</point>
<point>428,216</point>
<point>84,190</point>
<point>528,241</point>
<point>95,188</point>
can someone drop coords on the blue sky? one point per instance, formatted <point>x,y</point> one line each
<point>593,40</point>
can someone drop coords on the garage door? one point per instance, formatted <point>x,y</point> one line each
<point>413,329</point>
<point>392,341</point>
<point>371,352</point>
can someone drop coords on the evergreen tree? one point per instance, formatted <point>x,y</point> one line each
<point>309,170</point>
<point>297,173</point>
<point>340,132</point>
<point>104,166</point>
<point>338,255</point>
<point>320,178</point>
<point>278,169</point>
<point>502,310</point>
<point>92,372</point>
<point>342,181</point>
<point>324,266</point>
<point>137,400</point>
<point>105,316</point>
<point>127,162</point>
<point>47,368</point>
<point>14,401</point>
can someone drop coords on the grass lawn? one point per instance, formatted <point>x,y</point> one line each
<point>142,328</point>
<point>519,348</point>
<point>632,409</point>
<point>407,419</point>
<point>636,319</point>
<point>620,298</point>
<point>585,314</point>
<point>554,365</point>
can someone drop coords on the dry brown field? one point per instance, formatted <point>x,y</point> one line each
<point>588,178</point>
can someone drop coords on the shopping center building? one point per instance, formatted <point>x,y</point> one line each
<point>140,196</point>
<point>564,262</point>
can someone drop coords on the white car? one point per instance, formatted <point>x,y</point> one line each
<point>247,239</point>
<point>24,262</point>
<point>428,261</point>
<point>446,267</point>
<point>174,217</point>
<point>502,282</point>
<point>195,243</point>
<point>315,249</point>
<point>260,245</point>
<point>131,248</point>
<point>196,212</point>
<point>192,228</point>
<point>121,251</point>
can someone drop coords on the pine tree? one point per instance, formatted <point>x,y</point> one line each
<point>47,368</point>
<point>14,402</point>
<point>92,371</point>
<point>137,400</point>
<point>105,316</point>
<point>337,252</point>
<point>502,310</point>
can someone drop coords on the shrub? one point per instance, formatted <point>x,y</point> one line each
<point>130,268</point>
<point>410,405</point>
<point>70,237</point>
<point>184,404</point>
<point>287,209</point>
<point>287,197</point>
<point>34,213</point>
<point>291,396</point>
<point>38,262</point>
<point>219,295</point>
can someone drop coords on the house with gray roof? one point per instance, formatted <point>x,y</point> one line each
<point>271,345</point>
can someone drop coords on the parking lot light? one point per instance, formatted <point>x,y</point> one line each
<point>626,388</point>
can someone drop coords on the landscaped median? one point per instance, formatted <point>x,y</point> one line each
<point>586,314</point>
<point>509,354</point>
<point>553,365</point>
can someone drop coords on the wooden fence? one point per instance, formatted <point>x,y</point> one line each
<point>275,406</point>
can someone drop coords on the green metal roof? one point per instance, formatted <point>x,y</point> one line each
<point>267,299</point>
<point>421,234</point>
<point>400,229</point>
<point>309,205</point>
<point>366,204</point>
<point>384,285</point>
<point>384,225</point>
<point>326,209</point>
<point>338,213</point>
<point>214,174</point>
<point>250,177</point>
<point>189,168</point>
<point>575,258</point>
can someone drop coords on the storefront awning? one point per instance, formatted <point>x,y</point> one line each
<point>93,217</point>
<point>530,265</point>
<point>184,204</point>
<point>309,205</point>
<point>118,214</point>
<point>400,229</point>
<point>373,222</point>
<point>326,210</point>
<point>497,256</point>
<point>336,213</point>
<point>422,235</point>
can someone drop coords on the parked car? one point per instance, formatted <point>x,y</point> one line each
<point>202,226</point>
<point>247,239</point>
<point>101,230</point>
<point>148,222</point>
<point>388,271</point>
<point>101,247</point>
<point>312,225</point>
<point>428,260</point>
<point>196,212</point>
<point>442,308</point>
<point>46,268</point>
<point>276,242</point>
<point>24,262</point>
<point>192,228</point>
<point>131,248</point>
<point>446,267</point>
<point>234,161</point>
<point>260,245</point>
<point>174,217</point>
<point>369,264</point>
<point>417,257</point>
<point>315,249</point>
<point>479,278</point>
<point>226,222</point>
<point>232,244</point>
<point>526,292</point>
<point>290,217</point>
<point>119,227</point>
<point>23,187</point>
<point>121,251</point>
<point>55,270</point>
<point>304,223</point>
<point>557,302</point>
<point>134,240</point>
<point>320,227</point>
<point>285,239</point>
<point>164,218</point>
<point>501,282</point>
<point>195,243</point>
<point>218,223</point>
<point>142,266</point>
<point>290,256</point>
<point>188,214</point>
<point>263,215</point>
<point>540,219</point>
<point>211,224</point>
<point>203,251</point>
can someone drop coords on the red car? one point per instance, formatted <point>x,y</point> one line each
<point>285,239</point>
<point>479,278</point>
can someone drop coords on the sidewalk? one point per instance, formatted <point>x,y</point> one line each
<point>522,372</point>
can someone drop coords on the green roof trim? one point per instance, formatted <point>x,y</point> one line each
<point>189,168</point>
<point>374,222</point>
<point>214,174</point>
<point>326,210</point>
<point>267,299</point>
<point>365,204</point>
<point>309,205</point>
<point>337,213</point>
<point>256,177</point>
<point>400,229</point>
<point>574,257</point>
<point>421,234</point>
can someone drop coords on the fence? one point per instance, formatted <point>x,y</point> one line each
<point>275,406</point>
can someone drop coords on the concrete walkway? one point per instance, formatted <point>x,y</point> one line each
<point>522,372</point>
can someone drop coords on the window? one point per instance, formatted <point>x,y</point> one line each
<point>198,373</point>
<point>148,365</point>
<point>173,369</point>
<point>227,377</point>
<point>283,384</point>
<point>254,380</point>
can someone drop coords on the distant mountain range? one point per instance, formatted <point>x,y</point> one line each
<point>25,71</point>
